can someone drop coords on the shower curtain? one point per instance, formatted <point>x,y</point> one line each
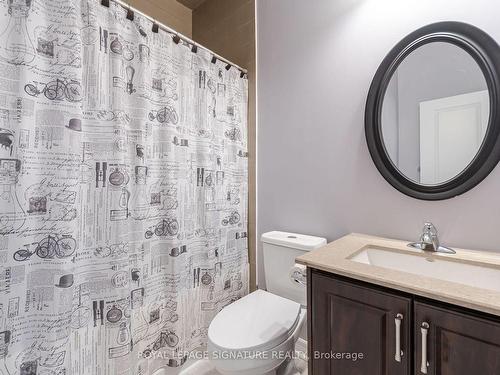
<point>123,197</point>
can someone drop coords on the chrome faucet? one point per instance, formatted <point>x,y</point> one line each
<point>429,241</point>
<point>429,237</point>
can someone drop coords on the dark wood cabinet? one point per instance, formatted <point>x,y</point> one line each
<point>355,330</point>
<point>354,326</point>
<point>456,343</point>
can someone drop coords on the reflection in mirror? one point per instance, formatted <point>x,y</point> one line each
<point>435,113</point>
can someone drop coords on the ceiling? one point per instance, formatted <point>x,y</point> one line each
<point>192,4</point>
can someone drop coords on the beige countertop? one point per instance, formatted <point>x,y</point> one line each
<point>334,258</point>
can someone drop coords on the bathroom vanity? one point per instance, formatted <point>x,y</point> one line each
<point>378,307</point>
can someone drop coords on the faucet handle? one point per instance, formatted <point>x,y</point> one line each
<point>429,228</point>
<point>429,234</point>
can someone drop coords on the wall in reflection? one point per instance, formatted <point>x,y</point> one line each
<point>433,71</point>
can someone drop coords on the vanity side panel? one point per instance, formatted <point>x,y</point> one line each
<point>309,320</point>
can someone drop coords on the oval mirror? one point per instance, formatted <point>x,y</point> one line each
<point>431,117</point>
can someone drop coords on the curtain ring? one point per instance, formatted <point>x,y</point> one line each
<point>155,26</point>
<point>130,13</point>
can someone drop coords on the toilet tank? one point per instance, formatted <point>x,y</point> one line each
<point>279,252</point>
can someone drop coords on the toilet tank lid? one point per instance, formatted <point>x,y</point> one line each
<point>293,240</point>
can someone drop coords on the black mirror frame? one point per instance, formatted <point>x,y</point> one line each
<point>486,52</point>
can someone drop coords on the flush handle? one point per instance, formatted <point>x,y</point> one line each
<point>397,322</point>
<point>424,329</point>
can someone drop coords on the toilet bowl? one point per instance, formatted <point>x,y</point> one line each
<point>255,335</point>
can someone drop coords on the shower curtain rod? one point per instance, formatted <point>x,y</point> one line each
<point>181,36</point>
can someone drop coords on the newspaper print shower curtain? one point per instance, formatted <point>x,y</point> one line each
<point>123,198</point>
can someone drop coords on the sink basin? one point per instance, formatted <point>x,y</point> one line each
<point>475,275</point>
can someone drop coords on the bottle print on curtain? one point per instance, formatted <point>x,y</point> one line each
<point>123,191</point>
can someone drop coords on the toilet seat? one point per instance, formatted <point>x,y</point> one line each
<point>259,321</point>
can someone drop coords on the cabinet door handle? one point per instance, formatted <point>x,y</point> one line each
<point>399,353</point>
<point>424,329</point>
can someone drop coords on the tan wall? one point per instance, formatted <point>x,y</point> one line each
<point>228,28</point>
<point>169,12</point>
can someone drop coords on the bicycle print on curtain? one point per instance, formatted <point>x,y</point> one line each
<point>123,203</point>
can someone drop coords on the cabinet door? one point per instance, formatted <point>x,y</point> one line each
<point>454,343</point>
<point>349,321</point>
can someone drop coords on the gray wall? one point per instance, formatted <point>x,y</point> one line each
<point>315,62</point>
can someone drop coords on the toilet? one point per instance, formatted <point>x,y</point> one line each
<point>257,333</point>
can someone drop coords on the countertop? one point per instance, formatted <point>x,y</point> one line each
<point>334,258</point>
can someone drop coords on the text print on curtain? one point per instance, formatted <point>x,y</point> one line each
<point>123,197</point>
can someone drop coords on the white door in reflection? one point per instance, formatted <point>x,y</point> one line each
<point>451,132</point>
